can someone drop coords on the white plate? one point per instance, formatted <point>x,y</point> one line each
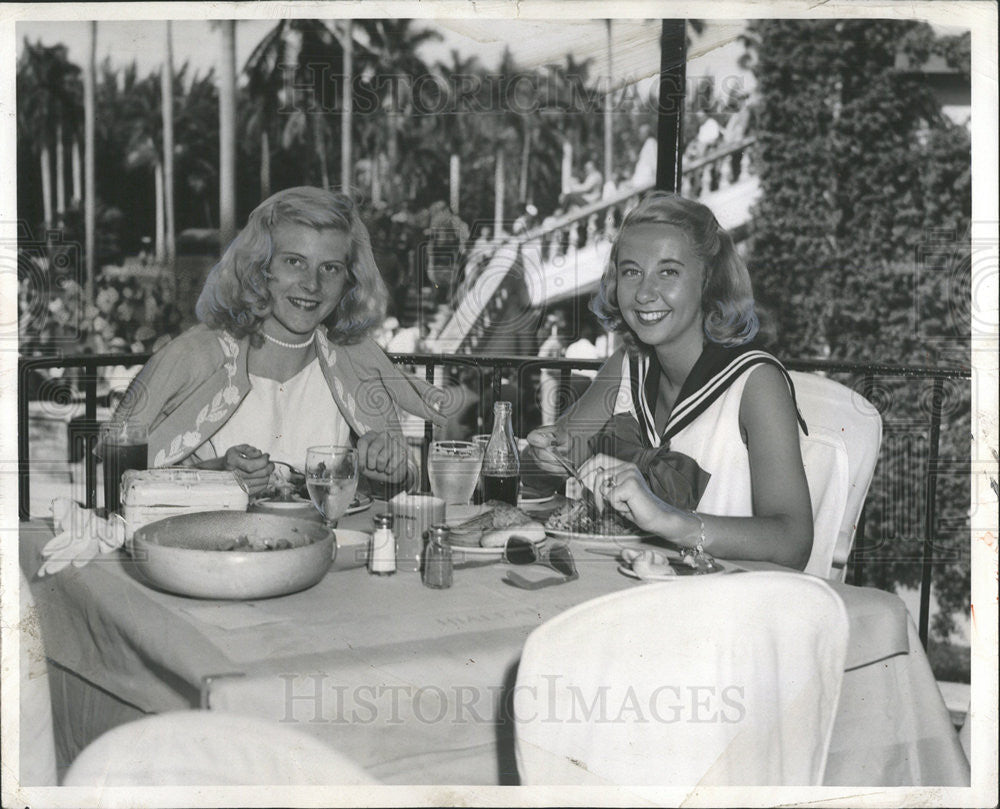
<point>360,503</point>
<point>627,571</point>
<point>597,539</point>
<point>534,501</point>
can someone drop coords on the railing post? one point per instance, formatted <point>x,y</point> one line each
<point>425,447</point>
<point>23,447</point>
<point>930,510</point>
<point>90,439</point>
<point>670,129</point>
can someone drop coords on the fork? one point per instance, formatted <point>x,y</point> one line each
<point>588,496</point>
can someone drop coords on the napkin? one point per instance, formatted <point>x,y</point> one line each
<point>80,536</point>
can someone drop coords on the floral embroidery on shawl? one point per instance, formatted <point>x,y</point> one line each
<point>214,411</point>
<point>345,400</point>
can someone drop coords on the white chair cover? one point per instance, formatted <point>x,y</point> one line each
<point>839,455</point>
<point>37,738</point>
<point>210,748</point>
<point>724,680</point>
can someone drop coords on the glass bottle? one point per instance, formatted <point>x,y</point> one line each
<point>501,463</point>
<point>382,549</point>
<point>438,565</point>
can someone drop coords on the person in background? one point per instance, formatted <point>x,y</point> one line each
<point>282,359</point>
<point>526,221</point>
<point>644,173</point>
<point>695,415</point>
<point>587,191</point>
<point>553,345</point>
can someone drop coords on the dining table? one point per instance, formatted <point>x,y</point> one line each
<point>414,684</point>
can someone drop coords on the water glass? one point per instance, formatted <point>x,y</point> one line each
<point>332,479</point>
<point>453,468</point>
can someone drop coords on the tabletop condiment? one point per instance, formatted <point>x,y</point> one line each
<point>438,566</point>
<point>382,550</point>
<point>501,462</point>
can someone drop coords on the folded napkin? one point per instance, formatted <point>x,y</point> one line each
<point>80,536</point>
<point>672,476</point>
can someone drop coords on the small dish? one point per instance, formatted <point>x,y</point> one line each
<point>360,503</point>
<point>298,507</point>
<point>351,549</point>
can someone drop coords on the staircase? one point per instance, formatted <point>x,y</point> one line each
<point>533,270</point>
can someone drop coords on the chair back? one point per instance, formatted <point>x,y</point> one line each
<point>839,455</point>
<point>722,680</point>
<point>210,748</point>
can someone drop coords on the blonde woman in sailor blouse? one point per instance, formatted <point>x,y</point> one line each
<point>689,397</point>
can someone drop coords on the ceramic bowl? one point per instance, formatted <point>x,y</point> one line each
<point>202,555</point>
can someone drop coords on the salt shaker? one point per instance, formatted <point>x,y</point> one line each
<point>382,549</point>
<point>437,558</point>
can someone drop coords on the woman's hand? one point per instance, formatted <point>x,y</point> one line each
<point>252,467</point>
<point>383,456</point>
<point>623,487</point>
<point>546,442</point>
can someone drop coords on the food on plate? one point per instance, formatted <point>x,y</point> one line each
<point>286,485</point>
<point>493,528</point>
<point>646,563</point>
<point>574,517</point>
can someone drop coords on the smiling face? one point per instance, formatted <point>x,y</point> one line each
<point>659,283</point>
<point>307,277</point>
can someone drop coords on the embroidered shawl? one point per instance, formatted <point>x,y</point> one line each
<point>191,387</point>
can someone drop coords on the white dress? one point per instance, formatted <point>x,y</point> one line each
<point>284,419</point>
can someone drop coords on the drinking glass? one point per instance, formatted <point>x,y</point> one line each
<point>123,445</point>
<point>332,479</point>
<point>453,468</point>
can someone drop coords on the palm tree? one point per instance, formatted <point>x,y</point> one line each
<point>90,197</point>
<point>394,66</point>
<point>288,73</point>
<point>227,132</point>
<point>47,97</point>
<point>167,100</point>
<point>197,150</point>
<point>346,126</point>
<point>455,126</point>
<point>145,146</point>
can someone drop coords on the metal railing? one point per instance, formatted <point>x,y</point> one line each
<point>499,377</point>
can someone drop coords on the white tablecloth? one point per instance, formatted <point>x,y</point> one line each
<point>412,683</point>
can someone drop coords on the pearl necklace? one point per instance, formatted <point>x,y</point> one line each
<point>283,344</point>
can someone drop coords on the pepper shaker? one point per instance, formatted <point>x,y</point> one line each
<point>438,565</point>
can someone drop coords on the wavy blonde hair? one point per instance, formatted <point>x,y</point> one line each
<point>727,303</point>
<point>235,296</point>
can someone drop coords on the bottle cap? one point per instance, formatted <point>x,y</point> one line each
<point>439,532</point>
